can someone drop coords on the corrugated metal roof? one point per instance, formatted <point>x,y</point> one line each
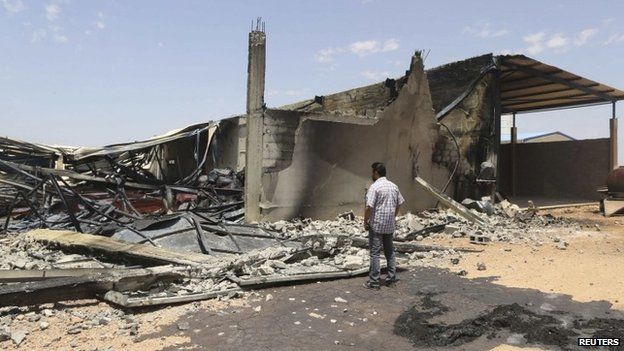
<point>530,85</point>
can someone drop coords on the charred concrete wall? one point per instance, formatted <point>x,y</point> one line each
<point>471,122</point>
<point>279,140</point>
<point>228,144</point>
<point>562,169</point>
<point>318,168</point>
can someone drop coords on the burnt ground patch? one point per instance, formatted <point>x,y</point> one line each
<point>540,329</point>
<point>476,314</point>
<point>534,328</point>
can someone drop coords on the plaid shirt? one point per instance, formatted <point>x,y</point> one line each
<point>383,197</point>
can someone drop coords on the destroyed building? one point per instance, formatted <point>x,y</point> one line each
<point>310,158</point>
<point>203,197</point>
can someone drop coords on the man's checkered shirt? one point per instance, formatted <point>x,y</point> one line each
<point>383,197</point>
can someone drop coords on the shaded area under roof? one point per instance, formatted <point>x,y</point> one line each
<point>530,85</point>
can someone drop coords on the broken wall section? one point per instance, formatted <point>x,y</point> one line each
<point>329,169</point>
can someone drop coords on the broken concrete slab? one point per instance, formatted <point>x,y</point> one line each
<point>128,301</point>
<point>72,241</point>
<point>450,203</point>
<point>80,287</point>
<point>411,247</point>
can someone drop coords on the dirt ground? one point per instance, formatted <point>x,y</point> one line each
<point>583,281</point>
<point>589,269</point>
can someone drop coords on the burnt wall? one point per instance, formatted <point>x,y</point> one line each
<point>563,169</point>
<point>329,170</point>
<point>226,143</point>
<point>447,82</point>
<point>471,122</point>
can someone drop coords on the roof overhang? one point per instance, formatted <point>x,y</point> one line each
<point>528,85</point>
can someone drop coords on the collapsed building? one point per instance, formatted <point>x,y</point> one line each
<point>311,158</point>
<point>204,196</point>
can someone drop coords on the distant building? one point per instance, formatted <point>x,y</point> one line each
<point>539,137</point>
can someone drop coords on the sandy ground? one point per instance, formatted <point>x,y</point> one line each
<point>588,270</point>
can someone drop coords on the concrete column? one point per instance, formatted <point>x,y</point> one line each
<point>255,123</point>
<point>514,141</point>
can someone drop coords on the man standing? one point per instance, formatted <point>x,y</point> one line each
<point>383,201</point>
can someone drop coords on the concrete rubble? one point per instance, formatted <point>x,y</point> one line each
<point>303,249</point>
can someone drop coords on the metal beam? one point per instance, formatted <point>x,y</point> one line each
<point>545,92</point>
<point>577,97</point>
<point>562,106</point>
<point>563,81</point>
<point>541,84</point>
<point>613,139</point>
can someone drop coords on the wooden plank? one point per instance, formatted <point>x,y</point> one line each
<point>125,300</point>
<point>141,253</point>
<point>450,203</point>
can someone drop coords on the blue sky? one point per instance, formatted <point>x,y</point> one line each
<point>98,72</point>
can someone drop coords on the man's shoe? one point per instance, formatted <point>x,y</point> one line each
<point>391,283</point>
<point>369,285</point>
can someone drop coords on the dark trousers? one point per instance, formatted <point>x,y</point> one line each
<point>375,242</point>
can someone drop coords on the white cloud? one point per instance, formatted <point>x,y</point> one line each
<point>363,48</point>
<point>100,24</point>
<point>13,6</point>
<point>53,32</point>
<point>368,47</point>
<point>535,42</point>
<point>375,75</point>
<point>584,36</point>
<point>359,48</point>
<point>560,42</point>
<point>614,39</point>
<point>60,38</point>
<point>390,45</point>
<point>38,35</point>
<point>326,55</point>
<point>52,11</point>
<point>557,42</point>
<point>482,30</point>
<point>161,44</point>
